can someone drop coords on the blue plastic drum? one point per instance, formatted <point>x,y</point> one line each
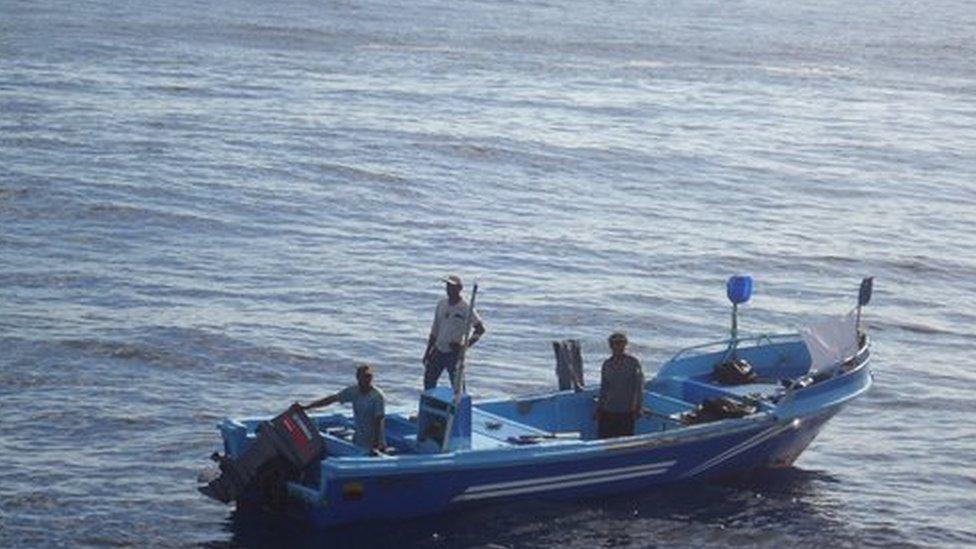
<point>739,288</point>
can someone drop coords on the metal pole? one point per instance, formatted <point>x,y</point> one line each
<point>735,323</point>
<point>459,379</point>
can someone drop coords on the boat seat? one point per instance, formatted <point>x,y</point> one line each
<point>697,391</point>
<point>753,389</point>
<point>501,428</point>
<point>665,404</point>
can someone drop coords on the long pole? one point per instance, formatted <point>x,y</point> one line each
<point>459,379</point>
<point>735,323</point>
<point>734,339</point>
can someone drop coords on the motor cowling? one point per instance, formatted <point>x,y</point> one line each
<point>283,448</point>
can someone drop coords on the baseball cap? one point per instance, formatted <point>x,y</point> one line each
<point>453,280</point>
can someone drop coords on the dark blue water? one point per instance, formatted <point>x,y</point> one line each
<point>217,208</point>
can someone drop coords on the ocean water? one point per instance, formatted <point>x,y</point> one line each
<point>218,208</point>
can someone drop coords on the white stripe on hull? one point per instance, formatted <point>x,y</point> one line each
<point>528,486</point>
<point>747,444</point>
<point>559,482</point>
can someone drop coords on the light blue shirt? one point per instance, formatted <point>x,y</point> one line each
<point>366,407</point>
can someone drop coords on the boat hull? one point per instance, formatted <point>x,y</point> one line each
<point>626,467</point>
<point>629,465</point>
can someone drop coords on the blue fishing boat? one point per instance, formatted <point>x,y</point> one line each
<point>715,410</point>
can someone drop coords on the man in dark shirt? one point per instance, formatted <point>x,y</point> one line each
<point>621,391</point>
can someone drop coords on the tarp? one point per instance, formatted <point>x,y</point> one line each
<point>831,340</point>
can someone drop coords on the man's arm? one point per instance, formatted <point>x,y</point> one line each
<point>322,402</point>
<point>432,338</point>
<point>379,423</point>
<point>479,327</point>
<point>479,330</point>
<point>602,398</point>
<point>428,353</point>
<point>639,390</point>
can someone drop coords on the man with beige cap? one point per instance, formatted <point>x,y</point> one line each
<point>447,333</point>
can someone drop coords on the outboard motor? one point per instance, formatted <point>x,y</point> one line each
<point>441,425</point>
<point>284,447</point>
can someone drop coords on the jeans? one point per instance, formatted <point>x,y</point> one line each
<point>435,367</point>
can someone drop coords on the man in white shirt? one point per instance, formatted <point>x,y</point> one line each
<point>447,333</point>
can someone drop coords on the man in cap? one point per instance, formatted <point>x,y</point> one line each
<point>621,390</point>
<point>368,408</point>
<point>447,333</point>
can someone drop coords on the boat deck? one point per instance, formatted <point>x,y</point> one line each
<point>490,430</point>
<point>556,418</point>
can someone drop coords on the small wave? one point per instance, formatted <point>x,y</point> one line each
<point>916,328</point>
<point>352,173</point>
<point>34,501</point>
<point>815,71</point>
<point>818,259</point>
<point>286,37</point>
<point>177,89</point>
<point>17,379</point>
<point>514,153</point>
<point>11,193</point>
<point>195,349</point>
<point>133,352</point>
<point>117,212</point>
<point>376,46</point>
<point>47,279</point>
<point>920,265</point>
<point>47,143</point>
<point>646,64</point>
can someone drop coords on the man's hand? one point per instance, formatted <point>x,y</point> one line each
<point>472,341</point>
<point>455,347</point>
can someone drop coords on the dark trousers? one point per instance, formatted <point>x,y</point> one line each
<point>435,367</point>
<point>613,424</point>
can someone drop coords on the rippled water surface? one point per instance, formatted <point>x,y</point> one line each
<point>217,208</point>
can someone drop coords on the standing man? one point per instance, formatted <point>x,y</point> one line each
<point>621,391</point>
<point>368,407</point>
<point>447,334</point>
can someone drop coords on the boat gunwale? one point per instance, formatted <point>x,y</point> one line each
<point>563,449</point>
<point>772,339</point>
<point>547,452</point>
<point>560,449</point>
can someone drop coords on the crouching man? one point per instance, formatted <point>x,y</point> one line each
<point>368,406</point>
